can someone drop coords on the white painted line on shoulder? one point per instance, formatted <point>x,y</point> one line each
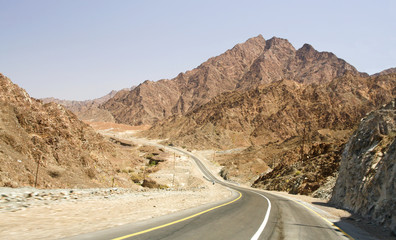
<point>264,223</point>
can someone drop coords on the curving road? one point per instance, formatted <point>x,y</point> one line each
<point>249,214</point>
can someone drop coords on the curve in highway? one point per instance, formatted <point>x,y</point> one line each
<point>251,214</point>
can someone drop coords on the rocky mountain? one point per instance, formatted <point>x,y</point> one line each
<point>281,124</point>
<point>88,110</point>
<point>277,111</point>
<point>367,178</point>
<point>245,66</point>
<point>48,137</point>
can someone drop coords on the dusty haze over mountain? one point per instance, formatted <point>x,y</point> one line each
<point>88,110</point>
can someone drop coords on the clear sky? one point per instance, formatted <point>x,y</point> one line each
<point>83,49</point>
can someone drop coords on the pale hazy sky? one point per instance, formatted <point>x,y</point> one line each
<point>82,49</point>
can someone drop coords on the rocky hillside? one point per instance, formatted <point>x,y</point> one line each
<point>277,111</point>
<point>367,178</point>
<point>292,129</point>
<point>245,66</point>
<point>87,110</point>
<point>311,172</point>
<point>69,152</point>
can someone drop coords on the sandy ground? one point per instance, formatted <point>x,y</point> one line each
<point>57,219</point>
<point>62,219</point>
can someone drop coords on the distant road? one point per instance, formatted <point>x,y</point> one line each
<point>250,214</point>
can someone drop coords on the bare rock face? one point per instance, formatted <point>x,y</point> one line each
<point>307,175</point>
<point>87,110</point>
<point>69,152</point>
<point>245,67</point>
<point>367,177</point>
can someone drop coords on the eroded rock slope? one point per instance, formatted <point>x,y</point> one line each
<point>367,178</point>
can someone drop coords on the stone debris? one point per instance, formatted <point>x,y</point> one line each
<point>12,199</point>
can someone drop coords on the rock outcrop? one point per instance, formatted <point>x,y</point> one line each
<point>245,67</point>
<point>367,178</point>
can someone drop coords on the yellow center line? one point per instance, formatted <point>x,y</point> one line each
<point>177,221</point>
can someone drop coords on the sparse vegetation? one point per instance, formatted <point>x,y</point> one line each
<point>152,184</point>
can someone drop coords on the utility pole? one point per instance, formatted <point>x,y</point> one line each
<point>112,182</point>
<point>306,136</point>
<point>189,172</point>
<point>302,144</point>
<point>37,170</point>
<point>174,169</point>
<point>144,173</point>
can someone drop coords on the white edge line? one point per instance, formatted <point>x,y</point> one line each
<point>264,223</point>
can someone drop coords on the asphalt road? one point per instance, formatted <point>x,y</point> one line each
<point>249,214</point>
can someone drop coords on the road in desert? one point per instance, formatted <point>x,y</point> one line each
<point>249,214</point>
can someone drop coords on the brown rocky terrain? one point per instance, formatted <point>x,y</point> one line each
<point>277,111</point>
<point>292,133</point>
<point>50,140</point>
<point>367,178</point>
<point>312,173</point>
<point>245,66</point>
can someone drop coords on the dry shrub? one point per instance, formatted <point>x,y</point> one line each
<point>136,178</point>
<point>90,173</point>
<point>152,184</point>
<point>54,173</point>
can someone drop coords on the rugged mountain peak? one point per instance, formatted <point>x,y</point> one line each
<point>258,41</point>
<point>153,101</point>
<point>386,71</point>
<point>245,66</point>
<point>279,43</point>
<point>242,52</point>
<point>307,50</point>
<point>11,92</point>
